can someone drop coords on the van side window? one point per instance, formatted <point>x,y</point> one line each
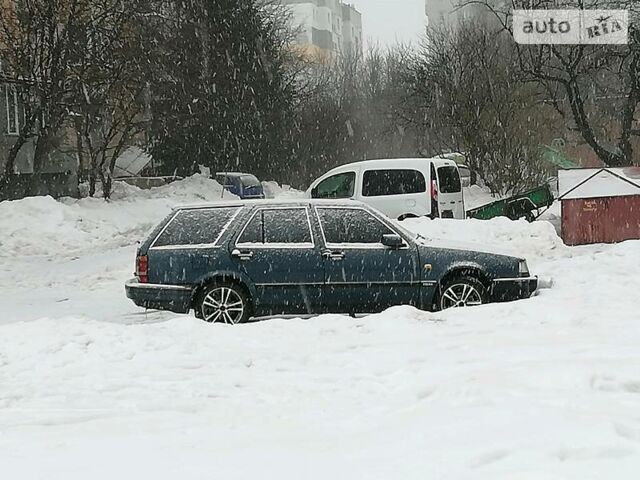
<point>378,183</point>
<point>341,185</point>
<point>449,180</point>
<point>349,225</point>
<point>284,225</point>
<point>196,227</point>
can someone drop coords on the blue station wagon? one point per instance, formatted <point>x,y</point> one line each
<point>233,261</point>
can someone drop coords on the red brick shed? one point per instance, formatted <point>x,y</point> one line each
<point>600,205</point>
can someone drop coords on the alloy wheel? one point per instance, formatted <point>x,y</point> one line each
<point>461,295</point>
<point>223,305</point>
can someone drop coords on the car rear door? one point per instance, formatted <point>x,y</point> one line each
<point>450,196</point>
<point>361,274</point>
<point>277,251</point>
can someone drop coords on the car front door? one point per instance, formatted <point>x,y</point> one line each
<point>360,273</point>
<point>277,251</point>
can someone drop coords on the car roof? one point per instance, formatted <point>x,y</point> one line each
<point>274,203</point>
<point>235,174</point>
<point>392,162</point>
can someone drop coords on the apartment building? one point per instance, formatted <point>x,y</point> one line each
<point>449,13</point>
<point>326,28</point>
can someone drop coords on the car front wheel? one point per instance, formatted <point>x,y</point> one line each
<point>224,303</point>
<point>462,292</point>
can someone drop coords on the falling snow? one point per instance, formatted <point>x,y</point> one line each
<point>93,387</point>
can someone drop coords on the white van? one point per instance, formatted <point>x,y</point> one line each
<point>399,188</point>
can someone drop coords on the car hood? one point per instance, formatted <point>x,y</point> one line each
<point>468,247</point>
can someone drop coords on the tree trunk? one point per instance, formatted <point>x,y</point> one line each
<point>15,149</point>
<point>39,156</point>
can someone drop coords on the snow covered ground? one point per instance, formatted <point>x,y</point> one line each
<point>91,387</point>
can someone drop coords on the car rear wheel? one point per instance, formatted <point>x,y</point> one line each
<point>462,292</point>
<point>224,303</point>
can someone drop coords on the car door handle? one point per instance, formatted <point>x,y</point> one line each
<point>242,255</point>
<point>335,256</point>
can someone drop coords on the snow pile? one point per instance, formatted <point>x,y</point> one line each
<point>274,190</point>
<point>477,196</point>
<point>93,387</point>
<point>537,240</point>
<point>44,226</point>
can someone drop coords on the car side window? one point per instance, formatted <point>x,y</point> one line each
<point>278,226</point>
<point>349,225</point>
<point>377,183</point>
<point>449,180</point>
<point>341,185</point>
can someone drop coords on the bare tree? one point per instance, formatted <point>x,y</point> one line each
<point>466,97</point>
<point>111,88</point>
<point>38,40</point>
<point>582,82</point>
<point>350,111</point>
<point>67,58</point>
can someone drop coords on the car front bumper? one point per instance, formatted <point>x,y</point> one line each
<point>510,289</point>
<point>174,298</point>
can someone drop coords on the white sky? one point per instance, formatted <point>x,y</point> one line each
<point>389,20</point>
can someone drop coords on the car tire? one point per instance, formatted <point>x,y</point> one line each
<point>223,302</point>
<point>406,216</point>
<point>463,291</point>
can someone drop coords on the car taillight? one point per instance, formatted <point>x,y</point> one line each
<point>434,190</point>
<point>142,268</point>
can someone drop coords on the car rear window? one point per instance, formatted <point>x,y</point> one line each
<point>224,180</point>
<point>196,227</point>
<point>378,183</point>
<point>250,181</point>
<point>449,180</point>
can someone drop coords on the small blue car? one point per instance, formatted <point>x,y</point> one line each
<point>233,261</point>
<point>244,185</point>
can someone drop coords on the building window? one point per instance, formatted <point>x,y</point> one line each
<point>11,96</point>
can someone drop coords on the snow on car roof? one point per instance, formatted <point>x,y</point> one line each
<point>234,174</point>
<point>596,183</point>
<point>274,202</point>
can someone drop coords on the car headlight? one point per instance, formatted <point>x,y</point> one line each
<point>523,268</point>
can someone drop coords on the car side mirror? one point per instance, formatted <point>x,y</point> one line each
<point>392,241</point>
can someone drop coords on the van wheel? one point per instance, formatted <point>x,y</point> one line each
<point>405,216</point>
<point>462,292</point>
<point>223,302</point>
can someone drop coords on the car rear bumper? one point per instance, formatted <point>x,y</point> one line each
<point>510,289</point>
<point>174,298</point>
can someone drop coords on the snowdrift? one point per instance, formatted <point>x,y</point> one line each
<point>93,387</point>
<point>44,226</point>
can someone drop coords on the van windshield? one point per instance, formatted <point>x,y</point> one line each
<point>449,180</point>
